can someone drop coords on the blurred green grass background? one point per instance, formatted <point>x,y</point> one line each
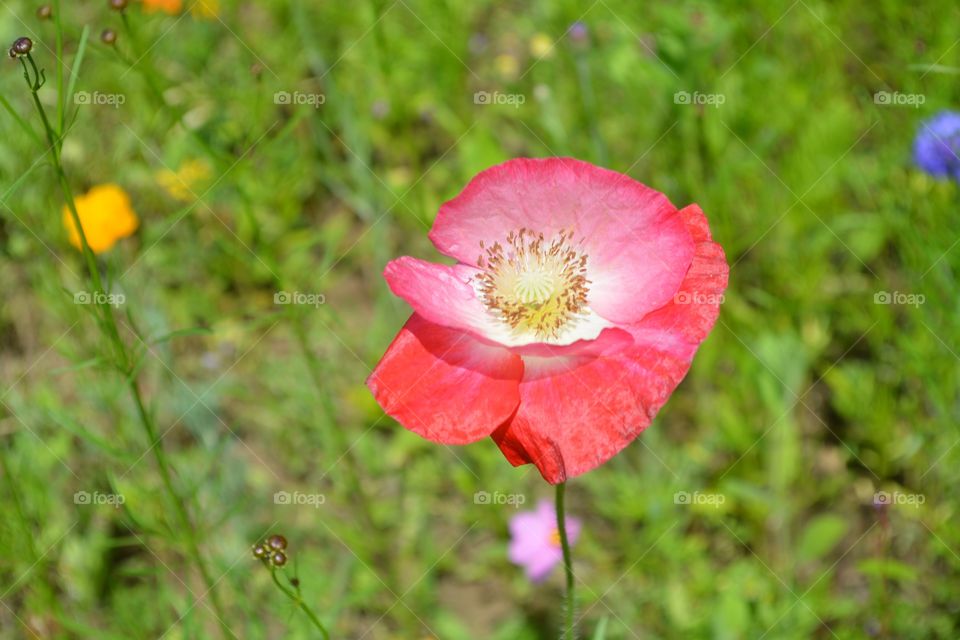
<point>808,398</point>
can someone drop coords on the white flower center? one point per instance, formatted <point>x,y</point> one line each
<point>535,287</point>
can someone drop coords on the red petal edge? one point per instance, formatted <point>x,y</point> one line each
<point>445,385</point>
<point>577,413</point>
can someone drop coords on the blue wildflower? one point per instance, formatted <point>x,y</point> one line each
<point>936,149</point>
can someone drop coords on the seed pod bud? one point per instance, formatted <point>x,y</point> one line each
<point>21,47</point>
<point>277,542</point>
<point>45,12</point>
<point>259,551</point>
<point>109,37</point>
<point>118,5</point>
<point>279,558</point>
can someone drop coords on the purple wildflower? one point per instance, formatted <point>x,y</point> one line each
<point>937,145</point>
<point>535,541</point>
<point>578,32</point>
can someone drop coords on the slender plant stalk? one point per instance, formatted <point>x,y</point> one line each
<point>297,599</point>
<point>61,98</point>
<point>569,632</point>
<point>196,557</point>
<point>123,361</point>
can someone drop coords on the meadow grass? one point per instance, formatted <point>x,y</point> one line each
<point>326,136</point>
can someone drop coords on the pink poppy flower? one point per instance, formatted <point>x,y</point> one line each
<point>535,541</point>
<point>576,304</point>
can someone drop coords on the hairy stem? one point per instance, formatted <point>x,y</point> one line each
<point>108,325</point>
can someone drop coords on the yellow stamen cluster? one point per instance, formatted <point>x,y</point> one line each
<point>555,538</point>
<point>532,285</point>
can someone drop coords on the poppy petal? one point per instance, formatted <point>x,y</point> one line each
<point>445,385</point>
<point>577,413</point>
<point>686,320</point>
<point>637,247</point>
<point>443,294</point>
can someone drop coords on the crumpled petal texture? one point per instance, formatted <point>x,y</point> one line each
<point>656,276</point>
<point>445,385</point>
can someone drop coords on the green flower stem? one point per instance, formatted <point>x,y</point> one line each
<point>55,147</point>
<point>196,556</point>
<point>569,632</point>
<point>108,324</point>
<point>61,98</point>
<point>297,599</point>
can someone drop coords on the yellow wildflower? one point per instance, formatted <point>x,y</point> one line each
<point>181,184</point>
<point>541,46</point>
<point>105,215</point>
<point>172,7</point>
<point>205,8</point>
<point>507,65</point>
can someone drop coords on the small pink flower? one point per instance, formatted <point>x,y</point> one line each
<point>535,541</point>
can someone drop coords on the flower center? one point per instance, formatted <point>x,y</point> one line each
<point>555,538</point>
<point>533,285</point>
